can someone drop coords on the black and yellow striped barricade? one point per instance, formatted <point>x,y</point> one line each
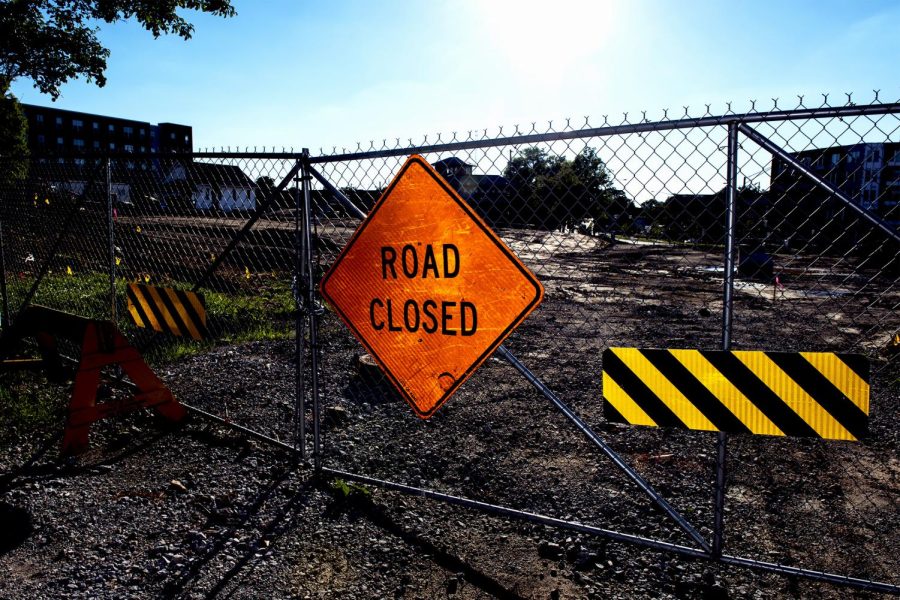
<point>811,394</point>
<point>168,310</point>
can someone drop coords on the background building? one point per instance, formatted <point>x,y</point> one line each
<point>54,131</point>
<point>869,174</point>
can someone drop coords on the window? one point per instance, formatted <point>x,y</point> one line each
<point>58,121</point>
<point>186,139</point>
<point>78,143</point>
<point>96,144</point>
<point>96,126</point>
<point>77,124</point>
<point>172,136</point>
<point>112,145</point>
<point>128,131</point>
<point>129,148</point>
<point>40,139</point>
<point>143,149</point>
<point>141,132</point>
<point>112,127</point>
<point>39,118</point>
<point>59,141</point>
<point>79,162</point>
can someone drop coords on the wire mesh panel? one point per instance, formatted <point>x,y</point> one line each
<point>626,222</point>
<point>625,225</point>
<point>78,228</point>
<point>55,225</point>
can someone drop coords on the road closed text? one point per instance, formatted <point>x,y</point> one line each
<point>440,316</point>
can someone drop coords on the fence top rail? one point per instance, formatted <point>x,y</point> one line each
<point>850,110</point>
<point>644,126</point>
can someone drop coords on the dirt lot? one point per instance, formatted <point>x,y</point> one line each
<point>201,511</point>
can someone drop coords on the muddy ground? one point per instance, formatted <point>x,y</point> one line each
<point>201,511</point>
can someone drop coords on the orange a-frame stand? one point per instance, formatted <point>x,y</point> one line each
<point>102,345</point>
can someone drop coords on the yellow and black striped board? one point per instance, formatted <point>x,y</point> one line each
<point>811,394</point>
<point>169,310</point>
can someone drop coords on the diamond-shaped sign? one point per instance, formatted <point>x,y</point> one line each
<point>428,288</point>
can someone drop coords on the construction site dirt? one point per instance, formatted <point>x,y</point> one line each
<point>204,511</point>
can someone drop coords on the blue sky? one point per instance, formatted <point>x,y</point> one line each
<point>285,73</point>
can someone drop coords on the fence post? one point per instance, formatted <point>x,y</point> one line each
<point>111,228</point>
<point>299,324</point>
<point>727,307</point>
<point>311,307</point>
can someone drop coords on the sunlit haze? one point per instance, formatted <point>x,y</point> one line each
<point>290,74</point>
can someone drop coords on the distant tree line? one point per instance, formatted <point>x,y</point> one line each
<point>548,191</point>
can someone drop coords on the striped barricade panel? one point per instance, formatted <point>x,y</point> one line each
<point>178,312</point>
<point>811,394</point>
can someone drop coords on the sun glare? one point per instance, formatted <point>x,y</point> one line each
<point>550,38</point>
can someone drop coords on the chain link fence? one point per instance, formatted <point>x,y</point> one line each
<point>625,222</point>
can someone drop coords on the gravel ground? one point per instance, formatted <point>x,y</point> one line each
<point>201,511</point>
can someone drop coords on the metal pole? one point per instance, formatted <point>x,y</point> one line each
<point>792,161</point>
<point>678,549</point>
<point>310,308</point>
<point>344,200</point>
<point>111,228</point>
<point>61,236</point>
<point>727,319</point>
<point>251,222</point>
<point>517,514</point>
<point>299,257</point>
<point>606,131</point>
<point>604,447</point>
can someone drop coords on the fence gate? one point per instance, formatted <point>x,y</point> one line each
<point>723,234</point>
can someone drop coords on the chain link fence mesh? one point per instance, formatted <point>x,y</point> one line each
<point>622,220</point>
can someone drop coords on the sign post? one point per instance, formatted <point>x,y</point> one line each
<point>428,288</point>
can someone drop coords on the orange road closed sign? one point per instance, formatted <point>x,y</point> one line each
<point>428,288</point>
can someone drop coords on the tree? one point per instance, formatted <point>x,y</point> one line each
<point>13,141</point>
<point>52,41</point>
<point>551,191</point>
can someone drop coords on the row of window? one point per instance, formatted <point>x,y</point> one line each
<point>80,144</point>
<point>80,162</point>
<point>78,125</point>
<point>128,131</point>
<point>850,158</point>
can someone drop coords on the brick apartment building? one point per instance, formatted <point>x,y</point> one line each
<point>59,132</point>
<point>868,174</point>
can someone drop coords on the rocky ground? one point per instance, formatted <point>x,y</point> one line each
<point>203,511</point>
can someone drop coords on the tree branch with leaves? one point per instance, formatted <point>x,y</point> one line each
<point>53,41</point>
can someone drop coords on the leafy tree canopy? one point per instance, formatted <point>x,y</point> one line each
<point>52,41</point>
<point>552,191</point>
<point>13,141</point>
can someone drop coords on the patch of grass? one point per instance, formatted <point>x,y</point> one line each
<point>28,402</point>
<point>266,313</point>
<point>349,491</point>
<point>80,293</point>
<point>258,312</point>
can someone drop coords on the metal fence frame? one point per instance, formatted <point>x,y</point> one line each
<point>704,549</point>
<point>304,171</point>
